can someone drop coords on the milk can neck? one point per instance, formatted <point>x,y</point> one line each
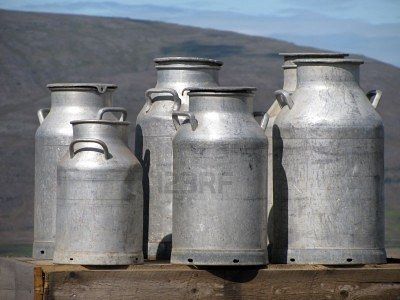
<point>185,77</point>
<point>219,103</point>
<point>103,130</point>
<point>89,98</point>
<point>289,78</point>
<point>327,73</point>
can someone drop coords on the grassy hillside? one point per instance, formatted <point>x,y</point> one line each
<point>36,49</point>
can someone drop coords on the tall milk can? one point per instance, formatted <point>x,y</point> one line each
<point>220,171</point>
<point>100,198</point>
<point>289,85</point>
<point>328,168</point>
<point>69,101</point>
<point>153,142</point>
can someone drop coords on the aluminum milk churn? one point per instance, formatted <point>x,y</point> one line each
<point>289,85</point>
<point>99,198</point>
<point>328,168</point>
<point>220,169</point>
<point>69,101</point>
<point>153,142</point>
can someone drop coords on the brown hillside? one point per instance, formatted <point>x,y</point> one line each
<point>36,49</point>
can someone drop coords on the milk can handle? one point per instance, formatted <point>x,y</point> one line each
<point>42,114</point>
<point>374,96</point>
<point>104,110</point>
<point>264,120</point>
<point>283,98</point>
<point>101,143</point>
<point>192,119</point>
<point>149,101</point>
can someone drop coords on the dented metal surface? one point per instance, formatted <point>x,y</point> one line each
<point>69,101</point>
<point>220,192</point>
<point>100,198</point>
<point>153,145</point>
<point>289,85</point>
<point>328,168</point>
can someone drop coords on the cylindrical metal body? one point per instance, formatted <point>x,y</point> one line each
<point>289,85</point>
<point>69,101</point>
<point>153,142</point>
<point>220,169</point>
<point>99,197</point>
<point>328,169</point>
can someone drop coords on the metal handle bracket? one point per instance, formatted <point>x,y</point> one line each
<point>192,119</point>
<point>42,114</point>
<point>283,97</point>
<point>100,142</point>
<point>149,100</point>
<point>374,97</point>
<point>102,111</point>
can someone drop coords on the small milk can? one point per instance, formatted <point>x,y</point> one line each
<point>328,168</point>
<point>99,197</point>
<point>289,85</point>
<point>153,142</point>
<point>69,101</point>
<point>219,174</point>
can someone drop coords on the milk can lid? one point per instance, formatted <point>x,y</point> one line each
<point>294,55</point>
<point>107,122</point>
<point>329,61</point>
<point>223,89</point>
<point>180,59</point>
<point>100,87</point>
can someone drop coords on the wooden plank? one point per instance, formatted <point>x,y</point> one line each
<point>182,282</point>
<point>16,279</point>
<point>46,280</point>
<point>38,282</point>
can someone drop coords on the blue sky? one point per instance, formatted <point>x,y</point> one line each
<point>374,11</point>
<point>369,27</point>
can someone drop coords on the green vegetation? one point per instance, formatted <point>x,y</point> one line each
<point>15,250</point>
<point>392,228</point>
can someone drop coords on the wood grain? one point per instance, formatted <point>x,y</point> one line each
<point>165,281</point>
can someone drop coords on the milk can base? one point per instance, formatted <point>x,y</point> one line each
<point>43,250</point>
<point>219,258</point>
<point>329,256</point>
<point>85,258</point>
<point>159,251</point>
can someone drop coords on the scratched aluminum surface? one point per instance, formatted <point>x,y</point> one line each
<point>153,142</point>
<point>99,197</point>
<point>69,101</point>
<point>289,85</point>
<point>328,168</point>
<point>220,192</point>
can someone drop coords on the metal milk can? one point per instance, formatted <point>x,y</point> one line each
<point>328,168</point>
<point>100,197</point>
<point>69,101</point>
<point>153,142</point>
<point>289,85</point>
<point>219,174</point>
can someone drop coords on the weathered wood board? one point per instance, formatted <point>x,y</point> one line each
<point>25,278</point>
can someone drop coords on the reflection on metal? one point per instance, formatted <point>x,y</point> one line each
<point>220,192</point>
<point>99,198</point>
<point>153,142</point>
<point>69,101</point>
<point>289,85</point>
<point>328,168</point>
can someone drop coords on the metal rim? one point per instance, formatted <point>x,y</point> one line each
<point>222,89</point>
<point>100,87</point>
<point>329,61</point>
<point>182,59</point>
<point>105,122</point>
<point>299,55</point>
